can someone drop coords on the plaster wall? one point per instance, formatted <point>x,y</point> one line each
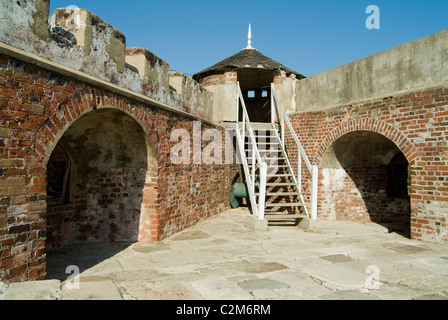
<point>225,102</point>
<point>423,62</point>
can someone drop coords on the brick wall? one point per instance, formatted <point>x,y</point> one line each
<point>361,194</point>
<point>108,208</point>
<point>37,108</point>
<point>416,121</point>
<point>216,79</point>
<point>278,79</point>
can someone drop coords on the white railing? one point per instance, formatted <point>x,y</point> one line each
<point>256,160</point>
<point>277,109</point>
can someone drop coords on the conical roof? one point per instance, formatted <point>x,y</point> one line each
<point>246,58</point>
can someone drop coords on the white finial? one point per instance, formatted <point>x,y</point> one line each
<point>249,37</point>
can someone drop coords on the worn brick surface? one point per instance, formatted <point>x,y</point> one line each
<point>37,108</point>
<point>417,123</point>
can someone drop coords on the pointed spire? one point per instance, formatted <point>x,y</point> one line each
<point>249,38</point>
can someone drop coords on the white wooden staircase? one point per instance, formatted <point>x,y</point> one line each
<point>283,200</point>
<point>274,187</point>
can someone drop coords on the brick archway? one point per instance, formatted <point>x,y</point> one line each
<point>360,173</point>
<point>73,108</point>
<point>377,126</point>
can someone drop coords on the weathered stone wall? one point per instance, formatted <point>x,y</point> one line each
<point>360,193</point>
<point>195,98</point>
<point>108,208</point>
<point>285,88</point>
<point>224,90</point>
<point>106,179</point>
<point>84,42</point>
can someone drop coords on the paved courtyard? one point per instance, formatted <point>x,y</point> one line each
<point>223,258</point>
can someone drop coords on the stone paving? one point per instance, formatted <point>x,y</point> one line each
<point>223,258</point>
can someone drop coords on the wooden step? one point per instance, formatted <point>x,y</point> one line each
<point>286,204</point>
<point>280,184</point>
<point>264,150</point>
<point>263,137</point>
<point>264,157</point>
<point>264,134</point>
<point>273,216</point>
<point>265,142</point>
<point>279,166</point>
<point>279,180</point>
<point>257,172</point>
<point>272,166</point>
<point>279,175</point>
<point>280,194</point>
<point>257,125</point>
<point>276,152</point>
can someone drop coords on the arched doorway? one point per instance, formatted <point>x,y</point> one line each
<point>365,177</point>
<point>96,178</point>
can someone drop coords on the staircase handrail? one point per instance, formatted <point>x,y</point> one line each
<point>301,154</point>
<point>257,208</point>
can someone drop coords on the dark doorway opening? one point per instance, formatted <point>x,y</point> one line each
<point>255,85</point>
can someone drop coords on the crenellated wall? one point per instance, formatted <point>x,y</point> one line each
<point>81,40</point>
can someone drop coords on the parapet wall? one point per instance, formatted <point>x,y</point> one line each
<point>413,65</point>
<point>79,39</point>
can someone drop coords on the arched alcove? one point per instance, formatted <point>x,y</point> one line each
<point>107,162</point>
<point>365,177</point>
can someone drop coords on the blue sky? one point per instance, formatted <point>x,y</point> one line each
<point>304,35</point>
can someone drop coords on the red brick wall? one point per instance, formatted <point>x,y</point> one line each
<point>282,77</point>
<point>107,208</point>
<point>417,123</point>
<point>360,193</point>
<point>225,78</point>
<point>59,225</point>
<point>36,108</point>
